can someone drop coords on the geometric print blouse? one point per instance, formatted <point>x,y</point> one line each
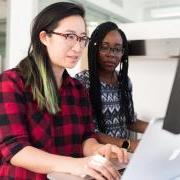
<point>114,119</point>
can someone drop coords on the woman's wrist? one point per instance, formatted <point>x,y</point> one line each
<point>64,164</point>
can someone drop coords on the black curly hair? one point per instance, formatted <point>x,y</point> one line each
<point>95,88</point>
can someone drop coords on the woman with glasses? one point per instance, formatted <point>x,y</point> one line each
<point>45,115</point>
<point>110,90</point>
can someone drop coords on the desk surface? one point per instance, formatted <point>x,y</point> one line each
<point>60,176</point>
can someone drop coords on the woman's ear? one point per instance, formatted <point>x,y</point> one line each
<point>43,37</point>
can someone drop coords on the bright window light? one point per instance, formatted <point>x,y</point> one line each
<point>165,12</point>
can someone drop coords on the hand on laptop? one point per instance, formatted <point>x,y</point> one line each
<point>110,151</point>
<point>118,165</point>
<point>95,167</point>
<point>100,166</point>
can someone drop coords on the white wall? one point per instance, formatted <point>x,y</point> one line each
<point>163,48</point>
<point>152,75</point>
<point>19,17</point>
<point>152,82</point>
<point>152,29</point>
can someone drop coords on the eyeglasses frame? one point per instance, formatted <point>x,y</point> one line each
<point>65,35</point>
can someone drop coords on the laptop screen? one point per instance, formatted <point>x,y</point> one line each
<point>172,118</point>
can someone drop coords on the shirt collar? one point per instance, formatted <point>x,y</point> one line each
<point>67,79</point>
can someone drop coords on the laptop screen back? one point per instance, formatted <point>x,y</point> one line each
<point>172,118</point>
<point>157,156</point>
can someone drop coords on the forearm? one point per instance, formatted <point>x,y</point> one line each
<point>39,161</point>
<point>139,126</point>
<point>107,139</point>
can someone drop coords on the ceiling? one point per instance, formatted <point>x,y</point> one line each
<point>160,9</point>
<point>122,10</point>
<point>144,9</point>
<point>119,11</point>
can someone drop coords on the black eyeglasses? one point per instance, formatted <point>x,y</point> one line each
<point>115,50</point>
<point>73,38</point>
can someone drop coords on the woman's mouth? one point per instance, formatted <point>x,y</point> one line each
<point>73,58</point>
<point>110,64</point>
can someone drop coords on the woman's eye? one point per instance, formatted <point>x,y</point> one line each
<point>84,38</point>
<point>71,36</point>
<point>104,48</point>
<point>117,49</point>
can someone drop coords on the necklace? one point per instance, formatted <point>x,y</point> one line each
<point>113,80</point>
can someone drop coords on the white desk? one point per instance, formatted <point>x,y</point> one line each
<point>63,176</point>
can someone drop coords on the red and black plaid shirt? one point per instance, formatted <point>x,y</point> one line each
<point>22,123</point>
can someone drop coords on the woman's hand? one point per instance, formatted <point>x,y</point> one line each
<point>112,152</point>
<point>100,166</point>
<point>96,167</point>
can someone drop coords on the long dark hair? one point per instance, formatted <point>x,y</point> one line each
<point>36,68</point>
<point>95,87</point>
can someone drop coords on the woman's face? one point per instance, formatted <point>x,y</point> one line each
<point>62,46</point>
<point>110,52</point>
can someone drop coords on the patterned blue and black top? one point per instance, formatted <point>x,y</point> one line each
<point>114,119</point>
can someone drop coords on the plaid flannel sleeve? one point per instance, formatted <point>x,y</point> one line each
<point>13,133</point>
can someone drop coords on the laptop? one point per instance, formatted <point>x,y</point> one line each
<point>157,156</point>
<point>172,121</point>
